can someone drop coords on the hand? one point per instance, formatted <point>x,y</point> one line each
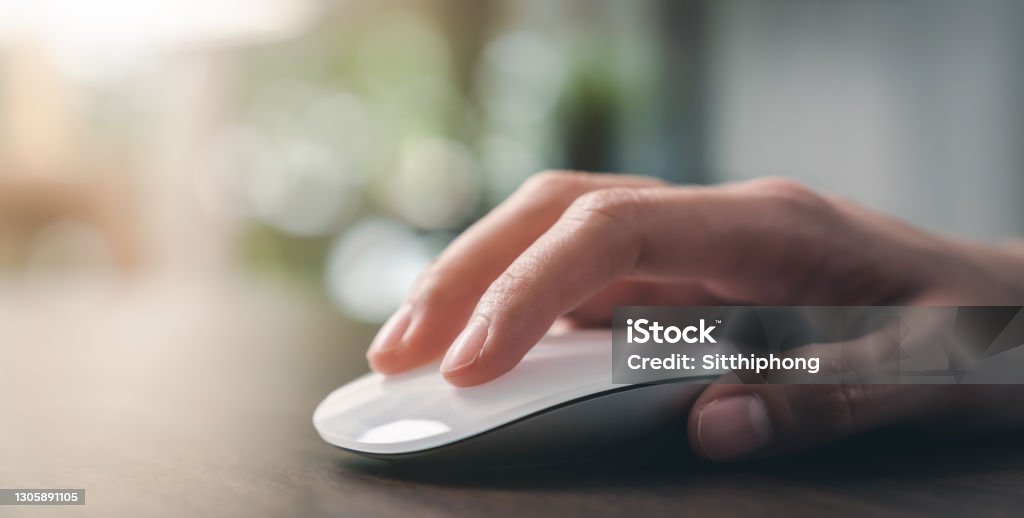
<point>573,245</point>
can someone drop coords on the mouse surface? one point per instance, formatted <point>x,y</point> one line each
<point>560,399</point>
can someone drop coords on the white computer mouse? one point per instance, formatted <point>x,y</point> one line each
<point>559,400</point>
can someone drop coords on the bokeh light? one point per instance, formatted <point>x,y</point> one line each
<point>371,267</point>
<point>435,183</point>
<point>301,187</point>
<point>521,78</point>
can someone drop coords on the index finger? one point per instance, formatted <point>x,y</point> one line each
<point>444,296</point>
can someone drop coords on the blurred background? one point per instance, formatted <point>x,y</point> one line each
<point>316,154</point>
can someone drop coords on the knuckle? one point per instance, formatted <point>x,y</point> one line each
<point>606,204</point>
<point>509,287</point>
<point>779,185</point>
<point>553,181</point>
<point>793,198</point>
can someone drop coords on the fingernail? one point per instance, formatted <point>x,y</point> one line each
<point>466,348</point>
<point>390,335</point>
<point>734,427</point>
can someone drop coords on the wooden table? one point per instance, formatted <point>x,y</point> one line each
<point>188,401</point>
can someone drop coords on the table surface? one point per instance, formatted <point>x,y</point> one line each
<point>188,401</point>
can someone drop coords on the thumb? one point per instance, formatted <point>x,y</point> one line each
<point>731,421</point>
<point>736,421</point>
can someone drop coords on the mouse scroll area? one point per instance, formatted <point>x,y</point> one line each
<point>561,395</point>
